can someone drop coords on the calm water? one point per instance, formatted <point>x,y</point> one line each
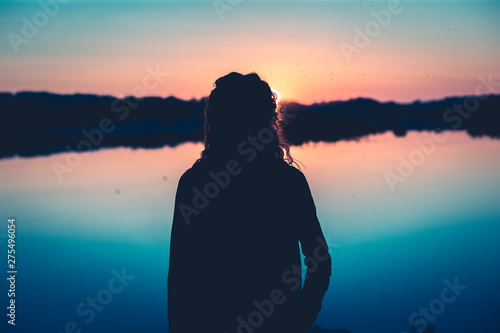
<point>392,250</point>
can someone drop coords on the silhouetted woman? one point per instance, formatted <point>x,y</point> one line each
<point>240,213</point>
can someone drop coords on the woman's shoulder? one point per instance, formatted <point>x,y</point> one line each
<point>292,173</point>
<point>191,173</point>
<point>290,168</point>
<point>199,169</point>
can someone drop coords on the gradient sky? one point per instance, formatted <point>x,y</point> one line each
<point>429,50</point>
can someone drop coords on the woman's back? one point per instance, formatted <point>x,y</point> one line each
<point>237,263</point>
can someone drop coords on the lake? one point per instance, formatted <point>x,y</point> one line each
<point>413,224</point>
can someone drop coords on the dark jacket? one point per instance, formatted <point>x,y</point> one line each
<point>234,251</point>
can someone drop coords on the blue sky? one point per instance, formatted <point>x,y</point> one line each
<point>428,50</point>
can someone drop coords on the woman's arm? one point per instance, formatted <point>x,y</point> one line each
<point>181,274</point>
<point>315,249</point>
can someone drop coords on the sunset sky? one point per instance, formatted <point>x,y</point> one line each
<point>425,50</point>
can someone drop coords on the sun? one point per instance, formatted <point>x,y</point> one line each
<point>278,97</point>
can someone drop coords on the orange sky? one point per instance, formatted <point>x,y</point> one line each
<point>427,50</point>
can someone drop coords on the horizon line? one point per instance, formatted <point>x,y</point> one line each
<point>284,101</point>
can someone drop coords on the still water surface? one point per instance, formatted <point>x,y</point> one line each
<point>392,250</point>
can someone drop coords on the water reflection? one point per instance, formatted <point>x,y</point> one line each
<point>392,250</point>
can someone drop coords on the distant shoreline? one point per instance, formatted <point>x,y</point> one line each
<point>41,123</point>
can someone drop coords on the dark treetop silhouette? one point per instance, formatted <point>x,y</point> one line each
<point>240,212</point>
<point>41,123</point>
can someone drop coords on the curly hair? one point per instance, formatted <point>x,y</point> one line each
<point>240,106</point>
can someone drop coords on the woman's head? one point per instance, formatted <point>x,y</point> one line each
<point>241,106</point>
